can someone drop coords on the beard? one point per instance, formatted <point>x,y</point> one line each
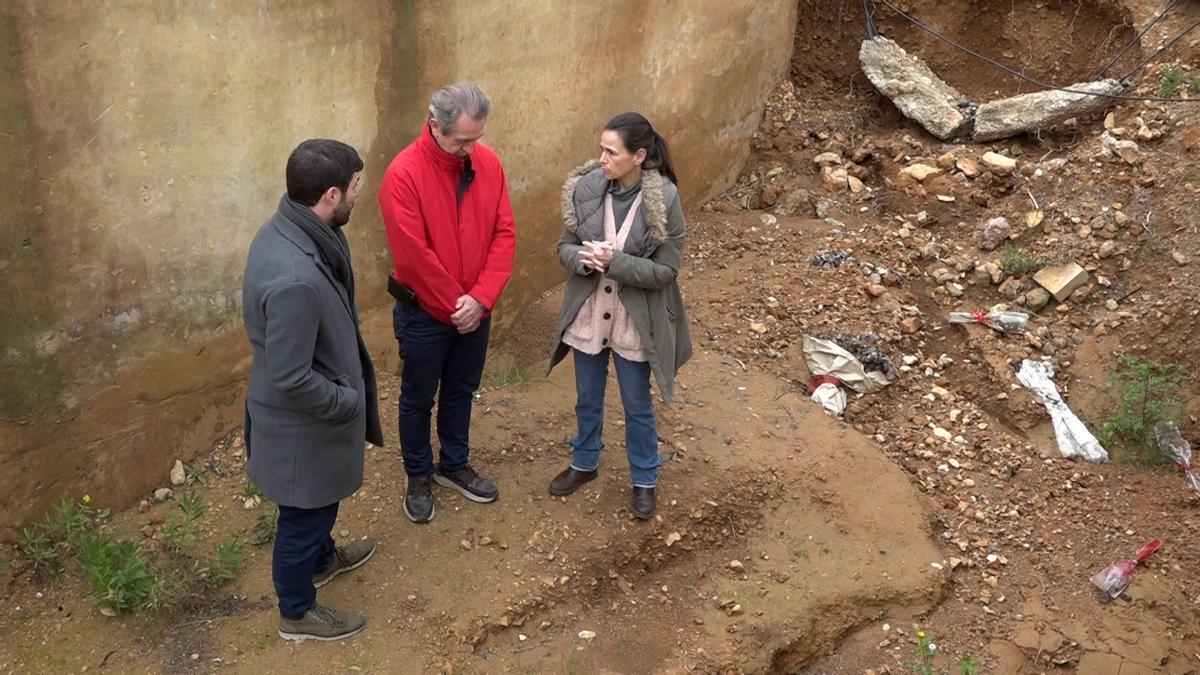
<point>341,213</point>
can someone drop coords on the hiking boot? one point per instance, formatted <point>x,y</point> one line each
<point>321,623</point>
<point>346,558</point>
<point>570,480</point>
<point>642,504</point>
<point>468,483</point>
<point>418,499</point>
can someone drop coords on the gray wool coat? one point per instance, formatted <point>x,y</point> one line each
<point>309,405</point>
<point>646,272</point>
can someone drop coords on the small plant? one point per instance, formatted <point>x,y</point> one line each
<point>70,520</point>
<point>121,577</point>
<point>195,475</point>
<point>1015,262</point>
<point>968,666</point>
<point>250,490</point>
<point>39,551</point>
<point>227,558</point>
<point>926,650</point>
<point>178,530</point>
<point>264,528</point>
<point>513,374</point>
<point>1169,81</point>
<point>1145,395</point>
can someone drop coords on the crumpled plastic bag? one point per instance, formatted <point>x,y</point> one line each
<point>1175,446</point>
<point>831,398</point>
<point>827,358</point>
<point>1074,439</point>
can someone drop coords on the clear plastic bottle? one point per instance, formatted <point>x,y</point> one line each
<point>1175,446</point>
<point>1005,322</point>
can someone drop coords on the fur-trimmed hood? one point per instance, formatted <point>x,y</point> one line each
<point>586,184</point>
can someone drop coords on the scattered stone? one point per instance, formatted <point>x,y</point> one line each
<point>673,537</point>
<point>995,231</point>
<point>736,565</point>
<point>1108,248</point>
<point>1111,305</point>
<point>1036,299</point>
<point>1041,109</point>
<point>1061,280</point>
<point>919,172</point>
<point>1111,146</point>
<point>999,164</point>
<point>588,635</point>
<point>827,158</point>
<point>163,494</point>
<point>830,258</point>
<point>1180,259</point>
<point>968,167</point>
<point>955,290</point>
<point>178,474</point>
<point>758,327</point>
<point>910,325</point>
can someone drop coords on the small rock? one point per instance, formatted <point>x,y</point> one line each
<point>485,541</point>
<point>758,327</point>
<point>919,172</point>
<point>736,565</point>
<point>940,392</point>
<point>466,545</point>
<point>910,325</point>
<point>942,434</point>
<point>587,635</point>
<point>1061,280</point>
<point>1108,248</point>
<point>827,158</point>
<point>1180,259</point>
<point>1036,299</point>
<point>1111,305</point>
<point>955,290</point>
<point>969,167</point>
<point>673,537</point>
<point>178,475</point>
<point>163,494</point>
<point>999,164</point>
<point>995,231</point>
<point>144,506</point>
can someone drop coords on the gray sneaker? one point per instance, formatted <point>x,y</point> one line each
<point>321,623</point>
<point>467,482</point>
<point>346,558</point>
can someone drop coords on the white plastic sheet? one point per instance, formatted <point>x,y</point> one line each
<point>1074,439</point>
<point>826,358</point>
<point>831,398</point>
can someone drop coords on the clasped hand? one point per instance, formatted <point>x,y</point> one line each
<point>468,312</point>
<point>597,255</point>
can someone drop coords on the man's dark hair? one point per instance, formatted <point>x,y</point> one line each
<point>317,165</point>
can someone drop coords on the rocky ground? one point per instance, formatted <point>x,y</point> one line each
<point>789,540</point>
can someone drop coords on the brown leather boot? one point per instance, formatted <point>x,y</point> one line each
<point>569,481</point>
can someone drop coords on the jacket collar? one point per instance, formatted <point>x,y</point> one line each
<point>293,234</point>
<point>654,207</point>
<point>435,153</point>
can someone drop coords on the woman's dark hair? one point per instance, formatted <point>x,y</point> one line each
<point>637,134</point>
<point>317,165</point>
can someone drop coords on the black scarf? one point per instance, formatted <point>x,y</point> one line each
<point>335,253</point>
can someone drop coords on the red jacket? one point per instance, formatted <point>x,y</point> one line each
<point>443,249</point>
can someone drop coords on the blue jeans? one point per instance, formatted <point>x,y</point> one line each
<point>303,547</point>
<point>437,360</point>
<point>641,438</point>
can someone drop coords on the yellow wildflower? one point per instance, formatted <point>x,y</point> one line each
<point>921,633</point>
<point>87,499</point>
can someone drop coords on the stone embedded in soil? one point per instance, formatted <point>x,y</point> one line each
<point>178,475</point>
<point>736,565</point>
<point>995,231</point>
<point>919,172</point>
<point>999,164</point>
<point>968,167</point>
<point>163,494</point>
<point>1061,280</point>
<point>1180,259</point>
<point>1036,299</point>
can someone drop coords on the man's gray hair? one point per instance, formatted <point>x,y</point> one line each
<point>452,100</point>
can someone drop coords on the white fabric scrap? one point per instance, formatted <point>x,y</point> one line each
<point>1074,439</point>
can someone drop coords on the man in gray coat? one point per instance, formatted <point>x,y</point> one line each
<point>312,402</point>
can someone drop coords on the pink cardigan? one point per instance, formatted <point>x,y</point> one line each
<point>602,321</point>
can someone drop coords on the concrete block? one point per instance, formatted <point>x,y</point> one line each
<point>918,93</point>
<point>1030,112</point>
<point>1061,280</point>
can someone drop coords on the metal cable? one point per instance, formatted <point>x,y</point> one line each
<point>1031,80</point>
<point>869,13</point>
<point>1159,51</point>
<point>1170,5</point>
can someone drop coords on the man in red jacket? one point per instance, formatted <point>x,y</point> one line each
<point>450,229</point>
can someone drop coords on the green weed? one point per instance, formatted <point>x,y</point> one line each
<point>264,528</point>
<point>70,520</point>
<point>513,374</point>
<point>250,490</point>
<point>1145,395</point>
<point>1170,80</point>
<point>1015,262</point>
<point>121,577</point>
<point>227,558</point>
<point>37,550</point>
<point>181,528</point>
